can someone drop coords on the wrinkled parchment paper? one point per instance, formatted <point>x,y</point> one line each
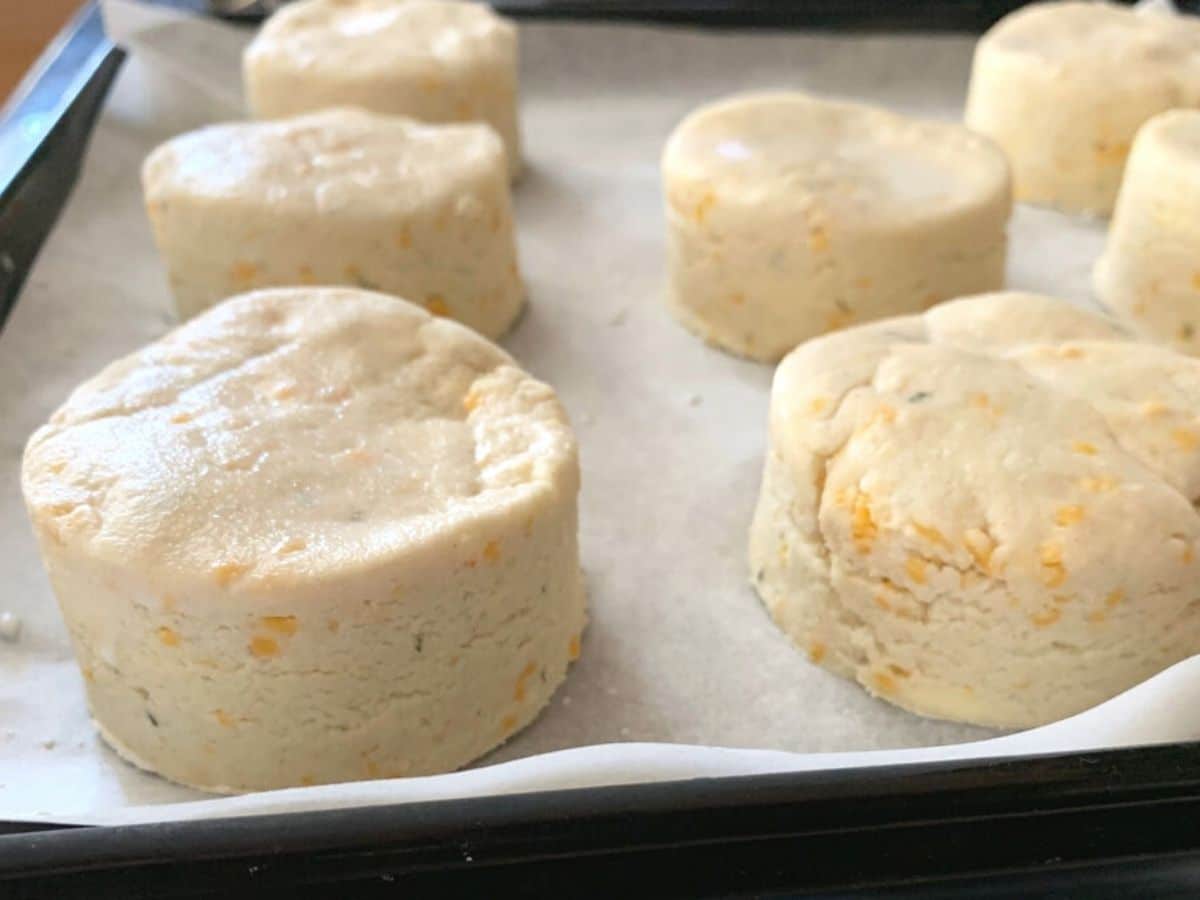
<point>671,431</point>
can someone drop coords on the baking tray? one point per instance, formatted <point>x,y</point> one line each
<point>1091,824</point>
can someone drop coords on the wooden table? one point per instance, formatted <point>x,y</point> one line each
<point>26,27</point>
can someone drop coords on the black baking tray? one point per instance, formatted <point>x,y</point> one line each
<point>1117,823</point>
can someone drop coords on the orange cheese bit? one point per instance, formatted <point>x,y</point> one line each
<point>704,206</point>
<point>1068,515</point>
<point>243,273</point>
<point>1098,484</point>
<point>1113,153</point>
<point>470,402</point>
<point>884,683</point>
<point>573,648</point>
<point>981,547</point>
<point>285,625</point>
<point>1114,599</point>
<point>1084,447</point>
<point>915,567</point>
<point>818,239</point>
<point>181,418</point>
<point>1185,438</point>
<point>1054,573</point>
<point>463,109</point>
<point>1071,353</point>
<point>491,551</point>
<point>168,636</point>
<point>523,682</point>
<point>290,545</point>
<point>436,304</point>
<point>883,414</point>
<point>226,573</point>
<point>263,647</point>
<point>737,298</point>
<point>931,534</point>
<point>839,319</point>
<point>862,526</point>
<point>1046,617</point>
<point>88,675</point>
<point>1153,408</point>
<point>1196,279</point>
<point>882,602</point>
<point>306,275</point>
<point>333,625</point>
<point>508,724</point>
<point>1189,553</point>
<point>818,405</point>
<point>308,780</point>
<point>224,719</point>
<point>403,238</point>
<point>816,651</point>
<point>168,602</point>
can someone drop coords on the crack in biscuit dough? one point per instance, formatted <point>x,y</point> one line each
<point>985,513</point>
<point>342,523</point>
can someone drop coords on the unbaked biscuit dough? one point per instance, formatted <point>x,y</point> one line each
<point>790,216</point>
<point>339,197</point>
<point>1150,271</point>
<point>432,60</point>
<point>985,513</point>
<point>1063,88</point>
<point>314,535</point>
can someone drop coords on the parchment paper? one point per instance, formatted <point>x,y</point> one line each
<point>671,432</point>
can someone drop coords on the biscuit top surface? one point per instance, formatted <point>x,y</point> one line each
<point>1177,132</point>
<point>361,37</point>
<point>1007,435</point>
<point>335,160</point>
<point>789,150</point>
<point>1097,35</point>
<point>293,433</point>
